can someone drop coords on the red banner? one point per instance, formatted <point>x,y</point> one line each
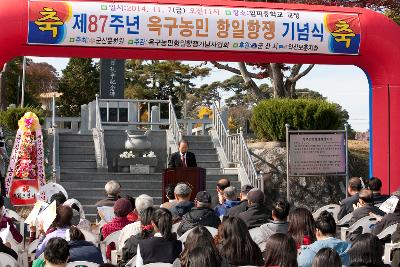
<point>23,192</point>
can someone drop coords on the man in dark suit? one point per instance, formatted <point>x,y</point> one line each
<point>346,205</point>
<point>364,207</point>
<point>182,158</point>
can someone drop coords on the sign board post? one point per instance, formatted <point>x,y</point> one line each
<point>316,153</point>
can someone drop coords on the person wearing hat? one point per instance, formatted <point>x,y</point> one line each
<point>183,204</point>
<point>257,213</point>
<point>242,206</point>
<point>122,208</point>
<point>200,215</point>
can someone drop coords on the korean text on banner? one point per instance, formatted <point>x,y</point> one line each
<point>145,25</point>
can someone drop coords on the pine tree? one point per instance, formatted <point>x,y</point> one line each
<point>79,85</point>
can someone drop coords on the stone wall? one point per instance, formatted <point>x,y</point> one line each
<point>310,192</point>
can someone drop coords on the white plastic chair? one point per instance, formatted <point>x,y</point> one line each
<point>89,236</point>
<point>19,219</point>
<point>388,249</point>
<point>213,231</point>
<point>7,261</point>
<point>112,238</point>
<point>49,189</point>
<point>345,219</point>
<point>82,263</point>
<point>387,231</point>
<point>365,223</point>
<point>175,226</point>
<point>331,208</point>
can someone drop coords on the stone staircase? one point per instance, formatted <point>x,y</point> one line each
<point>79,176</point>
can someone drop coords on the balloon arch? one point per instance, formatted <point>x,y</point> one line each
<point>223,31</point>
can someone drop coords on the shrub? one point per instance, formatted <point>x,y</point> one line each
<point>270,116</point>
<point>9,118</point>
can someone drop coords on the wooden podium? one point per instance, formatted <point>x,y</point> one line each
<point>195,177</point>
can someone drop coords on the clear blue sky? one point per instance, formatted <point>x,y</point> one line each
<point>346,85</point>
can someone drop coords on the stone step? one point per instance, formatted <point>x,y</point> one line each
<point>195,138</point>
<point>76,144</point>
<point>208,164</point>
<point>78,164</point>
<point>128,184</point>
<point>70,175</point>
<point>91,200</point>
<point>200,144</point>
<point>78,169</point>
<point>76,150</point>
<point>207,157</point>
<point>76,137</point>
<point>80,157</point>
<point>203,151</point>
<point>96,192</point>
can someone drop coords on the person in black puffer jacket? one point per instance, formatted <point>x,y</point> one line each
<point>130,248</point>
<point>82,250</point>
<point>200,215</point>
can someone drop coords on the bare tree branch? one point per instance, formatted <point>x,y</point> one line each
<point>233,70</point>
<point>302,74</point>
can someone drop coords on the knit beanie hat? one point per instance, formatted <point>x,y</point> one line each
<point>122,207</point>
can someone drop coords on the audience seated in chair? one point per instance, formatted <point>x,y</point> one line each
<point>55,255</point>
<point>221,185</point>
<point>82,250</point>
<point>388,219</point>
<point>199,237</point>
<point>163,246</point>
<point>204,256</point>
<point>242,206</point>
<point>301,227</point>
<point>201,214</point>
<point>346,205</point>
<point>367,250</point>
<point>170,195</point>
<point>280,250</point>
<point>235,244</point>
<point>129,250</point>
<point>230,200</point>
<point>60,199</point>
<point>257,213</point>
<point>182,204</point>
<point>327,257</point>
<point>142,202</point>
<point>375,185</point>
<point>122,207</point>
<point>279,223</point>
<point>62,223</point>
<point>364,207</point>
<point>4,220</point>
<point>78,218</point>
<point>132,216</point>
<point>113,191</point>
<point>325,233</point>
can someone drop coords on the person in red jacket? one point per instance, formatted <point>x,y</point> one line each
<point>4,220</point>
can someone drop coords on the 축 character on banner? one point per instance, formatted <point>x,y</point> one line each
<point>25,173</point>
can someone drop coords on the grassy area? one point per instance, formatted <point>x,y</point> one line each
<point>359,158</point>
